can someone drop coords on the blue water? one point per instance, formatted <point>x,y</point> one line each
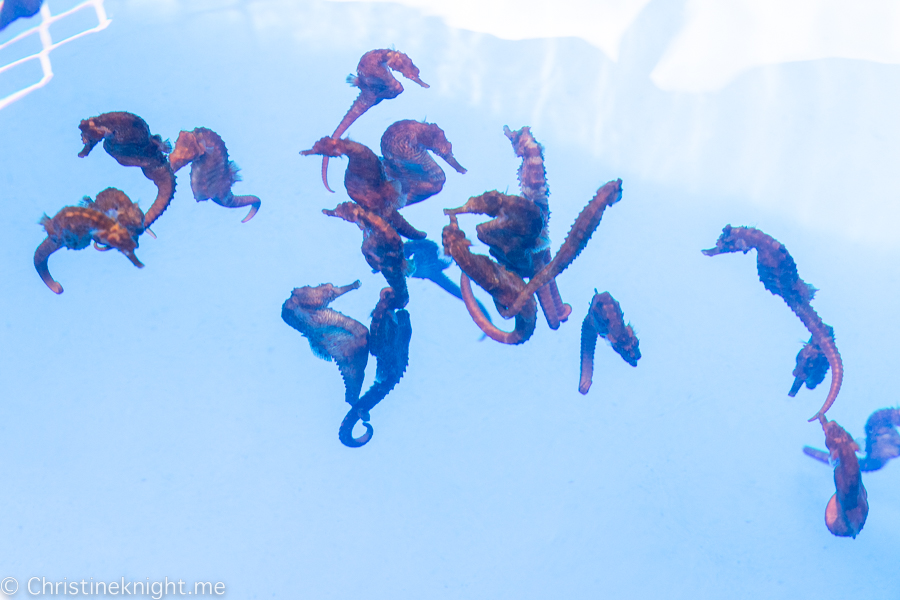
<point>165,422</point>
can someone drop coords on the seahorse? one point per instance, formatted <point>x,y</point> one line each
<point>848,508</point>
<point>502,284</point>
<point>582,229</point>
<point>405,146</point>
<point>116,204</point>
<point>74,227</point>
<point>605,319</point>
<point>389,336</point>
<point>381,247</point>
<point>778,273</point>
<point>331,334</point>
<point>127,138</point>
<point>812,366</point>
<point>366,182</point>
<point>882,441</point>
<point>212,174</point>
<point>10,10</point>
<point>376,83</point>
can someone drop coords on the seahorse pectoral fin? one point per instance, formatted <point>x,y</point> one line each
<point>41,254</point>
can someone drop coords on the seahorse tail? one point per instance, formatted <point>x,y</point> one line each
<point>524,325</point>
<point>825,341</point>
<point>41,255</point>
<point>588,348</point>
<point>164,178</point>
<point>345,433</point>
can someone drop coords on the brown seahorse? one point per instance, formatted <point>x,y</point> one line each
<point>212,174</point>
<point>882,441</point>
<point>778,273</point>
<point>812,366</point>
<point>116,204</point>
<point>533,186</point>
<point>381,247</point>
<point>404,147</point>
<point>331,334</point>
<point>389,336</point>
<point>582,229</point>
<point>367,184</point>
<point>74,227</point>
<point>848,508</point>
<point>127,138</point>
<point>502,284</point>
<point>605,319</point>
<point>376,83</point>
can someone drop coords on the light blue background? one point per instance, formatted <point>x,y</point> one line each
<point>165,422</point>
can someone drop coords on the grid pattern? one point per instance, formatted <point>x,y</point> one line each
<point>42,30</point>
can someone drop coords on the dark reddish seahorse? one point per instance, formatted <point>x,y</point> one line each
<point>212,174</point>
<point>381,247</point>
<point>848,508</point>
<point>366,182</point>
<point>74,227</point>
<point>812,366</point>
<point>605,319</point>
<point>882,441</point>
<point>127,138</point>
<point>502,284</point>
<point>115,204</point>
<point>10,10</point>
<point>389,336</point>
<point>778,273</point>
<point>533,186</point>
<point>582,229</point>
<point>405,146</point>
<point>376,83</point>
<point>331,334</point>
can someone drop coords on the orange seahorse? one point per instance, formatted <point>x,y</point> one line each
<point>404,148</point>
<point>114,203</point>
<point>376,83</point>
<point>127,138</point>
<point>605,319</point>
<point>212,174</point>
<point>74,227</point>
<point>778,273</point>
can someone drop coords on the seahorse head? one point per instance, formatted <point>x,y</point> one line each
<point>400,62</point>
<point>319,296</point>
<point>187,148</point>
<point>731,240</point>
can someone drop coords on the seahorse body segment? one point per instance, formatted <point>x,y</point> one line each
<point>74,227</point>
<point>389,336</point>
<point>778,273</point>
<point>127,138</point>
<point>605,319</point>
<point>212,174</point>
<point>376,83</point>
<point>405,146</point>
<point>331,334</point>
<point>848,508</point>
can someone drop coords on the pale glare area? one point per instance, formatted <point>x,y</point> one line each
<point>165,422</point>
<point>600,23</point>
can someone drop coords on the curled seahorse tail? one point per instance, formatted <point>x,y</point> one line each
<point>825,341</point>
<point>41,255</point>
<point>345,433</point>
<point>519,335</point>
<point>252,201</point>
<point>579,235</point>
<point>164,178</point>
<point>325,173</point>
<point>588,349</point>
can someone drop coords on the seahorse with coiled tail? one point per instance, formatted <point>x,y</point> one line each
<point>376,83</point>
<point>127,138</point>
<point>778,273</point>
<point>212,174</point>
<point>404,148</point>
<point>389,336</point>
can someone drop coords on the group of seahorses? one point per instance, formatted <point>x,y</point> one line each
<point>519,275</point>
<point>112,220</point>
